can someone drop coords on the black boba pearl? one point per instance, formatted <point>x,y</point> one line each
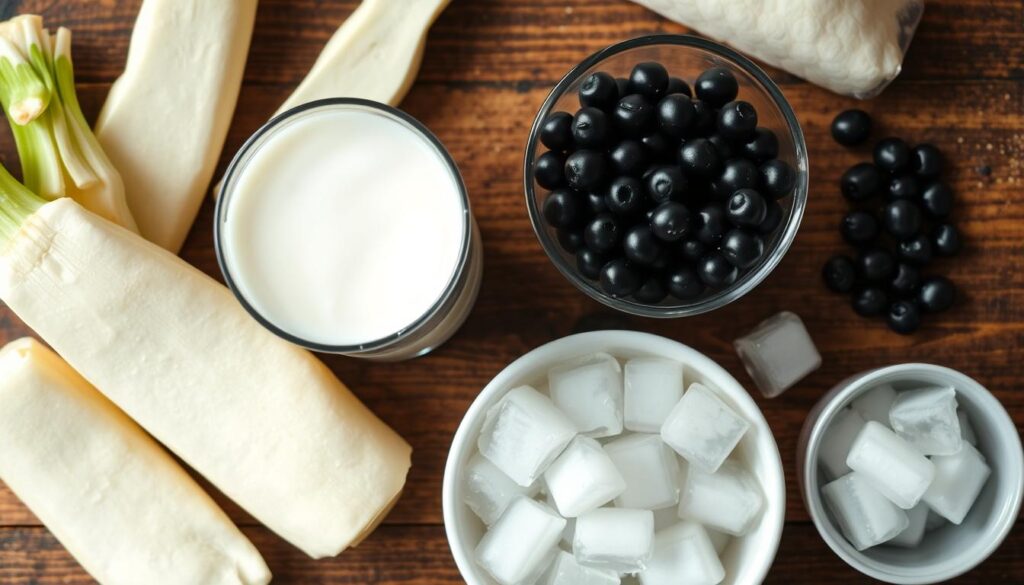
<point>892,154</point>
<point>590,128</point>
<point>585,170</point>
<point>777,178</point>
<point>651,292</point>
<point>641,246</point>
<point>675,115</point>
<point>916,250</point>
<point>676,85</point>
<point>570,240</point>
<point>904,186</point>
<point>556,131</point>
<point>700,158</point>
<point>549,171</point>
<point>906,279</point>
<point>741,248</point>
<point>711,225</point>
<point>603,233</point>
<point>619,279</point>
<point>937,293</point>
<point>684,283</point>
<point>737,173</point>
<point>839,274</point>
<point>772,218</point>
<point>589,263</point>
<point>649,79</point>
<point>937,200</point>
<point>599,90</point>
<point>876,265</point>
<point>903,317</point>
<point>746,208</point>
<point>563,208</point>
<point>625,196</point>
<point>737,121</point>
<point>901,218</point>
<point>926,161</point>
<point>764,146</point>
<point>946,240</point>
<point>671,221</point>
<point>861,181</point>
<point>622,84</point>
<point>869,301</point>
<point>629,157</point>
<point>692,250</point>
<point>851,127</point>
<point>662,262</point>
<point>634,116</point>
<point>595,202</point>
<point>859,228</point>
<point>717,86</point>
<point>716,271</point>
<point>725,149</point>
<point>703,120</point>
<point>665,183</point>
<point>658,146</point>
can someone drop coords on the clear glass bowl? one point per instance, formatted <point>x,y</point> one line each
<point>686,57</point>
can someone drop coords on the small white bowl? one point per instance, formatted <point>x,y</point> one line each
<point>948,551</point>
<point>746,560</point>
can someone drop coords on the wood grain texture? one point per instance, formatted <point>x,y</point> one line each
<point>488,66</point>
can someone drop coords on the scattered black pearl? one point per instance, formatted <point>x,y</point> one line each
<point>859,228</point>
<point>904,186</point>
<point>763,147</point>
<point>676,85</point>
<point>869,301</point>
<point>625,196</point>
<point>737,121</point>
<point>904,317</point>
<point>590,128</point>
<point>599,90</point>
<point>741,248</point>
<point>876,265</point>
<point>589,263</point>
<point>671,221</point>
<point>851,127</point>
<point>563,208</point>
<point>699,158</point>
<point>548,170</point>
<point>861,181</point>
<point>901,218</point>
<point>651,292</point>
<point>692,250</point>
<point>716,271</point>
<point>684,283</point>
<point>649,79</point>
<point>937,293</point>
<point>717,86</point>
<point>570,240</point>
<point>937,200</point>
<point>737,173</point>
<point>946,240</point>
<point>926,161</point>
<point>629,157</point>
<point>916,250</point>
<point>619,279</point>
<point>906,280</point>
<point>675,115</point>
<point>641,246</point>
<point>665,184</point>
<point>777,178</point>
<point>585,170</point>
<point>603,233</point>
<point>839,274</point>
<point>892,154</point>
<point>634,116</point>
<point>711,225</point>
<point>658,146</point>
<point>556,131</point>
<point>746,208</point>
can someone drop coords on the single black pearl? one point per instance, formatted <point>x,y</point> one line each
<point>869,301</point>
<point>659,147</point>
<point>649,79</point>
<point>651,292</point>
<point>641,246</point>
<point>634,116</point>
<point>916,250</point>
<point>675,115</point>
<point>676,85</point>
<point>737,173</point>
<point>717,86</point>
<point>772,218</point>
<point>726,150</point>
<point>556,131</point>
<point>603,233</point>
<point>585,170</point>
<point>946,240</point>
<point>892,154</point>
<point>591,129</point>
<point>777,178</point>
<point>563,208</point>
<point>623,86</point>
<point>937,293</point>
<point>684,283</point>
<point>629,157</point>
<point>661,263</point>
<point>876,265</point>
<point>764,146</point>
<point>700,158</point>
<point>904,186</point>
<point>859,228</point>
<point>571,240</point>
<point>861,181</point>
<point>937,200</point>
<point>671,221</point>
<point>715,270</point>
<point>589,263</point>
<point>746,208</point>
<point>665,183</point>
<point>906,280</point>
<point>711,225</point>
<point>839,274</point>
<point>737,121</point>
<point>902,219</point>
<point>741,248</point>
<point>851,127</point>
<point>703,120</point>
<point>595,202</point>
<point>625,196</point>
<point>692,250</point>
<point>926,161</point>
<point>599,90</point>
<point>904,317</point>
<point>548,170</point>
<point>619,278</point>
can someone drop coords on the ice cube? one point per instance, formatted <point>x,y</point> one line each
<point>778,353</point>
<point>958,481</point>
<point>863,514</point>
<point>665,517</point>
<point>589,392</point>
<point>913,534</point>
<point>518,548</point>
<point>835,445</point>
<point>875,404</point>
<point>683,555</point>
<point>650,469</point>
<point>566,571</point>
<point>488,491</point>
<point>616,539</point>
<point>934,521</point>
<point>891,465</point>
<point>702,428</point>
<point>652,387</point>
<point>583,478</point>
<point>523,433</point>
<point>966,428</point>
<point>719,539</point>
<point>927,419</point>
<point>728,500</point>
<point>570,523</point>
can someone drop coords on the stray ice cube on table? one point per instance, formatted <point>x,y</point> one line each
<point>523,433</point>
<point>891,465</point>
<point>589,392</point>
<point>616,539</point>
<point>518,548</point>
<point>566,571</point>
<point>864,515</point>
<point>583,478</point>
<point>913,534</point>
<point>836,443</point>
<point>652,387</point>
<point>487,491</point>
<point>683,554</point>
<point>703,429</point>
<point>875,404</point>
<point>650,469</point>
<point>728,500</point>
<point>778,353</point>
<point>927,419</point>
<point>958,480</point>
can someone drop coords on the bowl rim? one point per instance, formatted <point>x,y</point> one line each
<point>772,257</point>
<point>647,343</point>
<point>836,399</point>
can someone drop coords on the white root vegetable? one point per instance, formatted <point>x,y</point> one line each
<point>166,117</point>
<point>119,503</point>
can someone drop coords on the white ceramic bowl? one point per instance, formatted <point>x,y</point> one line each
<point>746,560</point>
<point>948,551</point>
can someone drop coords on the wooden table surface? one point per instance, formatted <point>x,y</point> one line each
<point>488,66</point>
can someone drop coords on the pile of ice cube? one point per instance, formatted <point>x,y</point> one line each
<point>901,463</point>
<point>583,485</point>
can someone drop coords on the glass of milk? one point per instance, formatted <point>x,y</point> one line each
<point>344,226</point>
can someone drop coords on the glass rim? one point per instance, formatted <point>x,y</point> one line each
<point>264,132</point>
<point>748,281</point>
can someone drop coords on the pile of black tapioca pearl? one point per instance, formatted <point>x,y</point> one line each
<point>659,193</point>
<point>898,223</point>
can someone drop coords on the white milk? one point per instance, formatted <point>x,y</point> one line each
<point>345,226</point>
